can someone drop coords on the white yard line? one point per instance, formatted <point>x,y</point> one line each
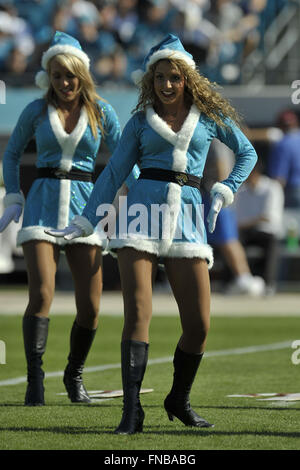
<point>14,303</point>
<point>162,360</point>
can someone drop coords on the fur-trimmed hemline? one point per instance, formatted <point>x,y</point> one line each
<point>27,234</point>
<point>159,248</point>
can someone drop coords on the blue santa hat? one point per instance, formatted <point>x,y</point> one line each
<point>169,47</point>
<point>62,43</point>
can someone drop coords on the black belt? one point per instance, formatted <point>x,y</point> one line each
<point>56,173</point>
<point>183,179</point>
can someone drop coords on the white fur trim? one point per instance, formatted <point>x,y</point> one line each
<point>183,140</point>
<point>83,223</point>
<point>160,126</point>
<point>177,250</point>
<point>64,203</point>
<point>192,250</point>
<point>171,54</point>
<point>149,246</point>
<point>42,80</point>
<point>38,233</point>
<point>174,203</point>
<point>68,142</point>
<point>67,49</point>
<point>137,76</point>
<point>225,191</point>
<point>13,198</point>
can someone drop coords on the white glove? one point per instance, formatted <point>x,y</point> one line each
<point>216,206</point>
<point>70,232</point>
<point>12,212</point>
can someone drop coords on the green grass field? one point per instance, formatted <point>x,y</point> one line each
<point>240,423</point>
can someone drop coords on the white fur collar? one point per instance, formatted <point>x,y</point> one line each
<point>180,139</point>
<point>184,137</point>
<point>160,126</point>
<point>68,142</point>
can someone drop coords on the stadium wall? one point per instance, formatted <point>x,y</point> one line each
<point>258,105</point>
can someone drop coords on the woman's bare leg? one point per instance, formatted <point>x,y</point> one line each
<point>41,260</point>
<point>137,270</point>
<point>189,280</point>
<point>85,262</point>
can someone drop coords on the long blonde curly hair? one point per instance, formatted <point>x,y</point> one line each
<point>87,90</point>
<point>199,91</point>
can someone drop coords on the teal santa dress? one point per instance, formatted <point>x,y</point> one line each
<point>53,203</point>
<point>150,142</point>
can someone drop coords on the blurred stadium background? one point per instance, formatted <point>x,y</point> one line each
<point>249,47</point>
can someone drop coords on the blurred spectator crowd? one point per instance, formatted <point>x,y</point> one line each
<point>117,34</point>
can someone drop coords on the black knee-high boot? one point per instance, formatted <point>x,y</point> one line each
<point>177,402</point>
<point>35,334</point>
<point>81,340</point>
<point>134,357</point>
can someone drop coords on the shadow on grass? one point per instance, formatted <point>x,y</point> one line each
<point>75,430</point>
<point>155,430</point>
<point>214,432</point>
<point>74,405</point>
<point>275,407</point>
<point>149,430</point>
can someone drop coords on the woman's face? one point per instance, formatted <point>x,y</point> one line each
<point>169,83</point>
<point>65,84</point>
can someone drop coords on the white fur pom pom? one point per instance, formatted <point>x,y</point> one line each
<point>42,80</point>
<point>137,76</point>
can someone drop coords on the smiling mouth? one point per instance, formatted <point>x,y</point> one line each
<point>168,94</point>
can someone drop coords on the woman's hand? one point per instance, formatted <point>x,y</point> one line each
<point>216,206</point>
<point>12,212</point>
<point>70,232</point>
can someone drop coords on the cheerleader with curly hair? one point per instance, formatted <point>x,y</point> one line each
<point>178,114</point>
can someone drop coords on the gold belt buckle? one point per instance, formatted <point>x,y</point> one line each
<point>181,179</point>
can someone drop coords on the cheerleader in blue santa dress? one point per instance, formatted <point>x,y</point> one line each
<point>178,114</point>
<point>68,125</point>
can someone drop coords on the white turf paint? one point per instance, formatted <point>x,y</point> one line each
<point>162,360</point>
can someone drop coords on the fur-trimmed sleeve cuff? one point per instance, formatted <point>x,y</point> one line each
<point>83,223</point>
<point>13,198</point>
<point>225,191</point>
